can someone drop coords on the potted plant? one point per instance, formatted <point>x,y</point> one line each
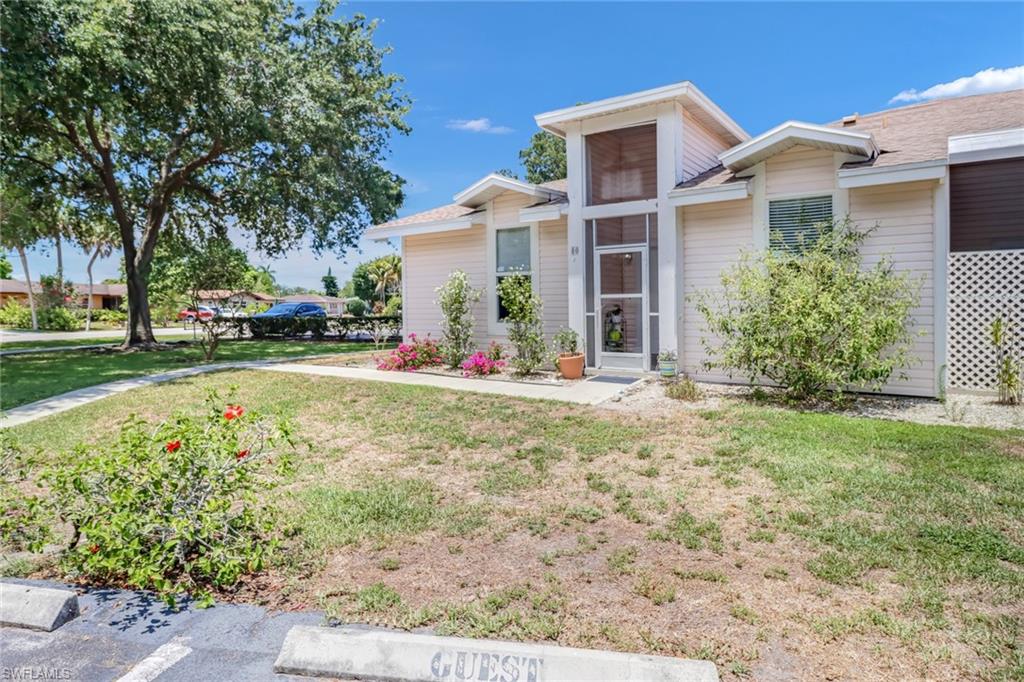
<point>667,363</point>
<point>570,359</point>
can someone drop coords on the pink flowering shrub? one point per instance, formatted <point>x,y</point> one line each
<point>495,351</point>
<point>411,355</point>
<point>481,363</point>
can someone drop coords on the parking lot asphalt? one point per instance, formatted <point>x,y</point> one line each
<point>130,636</point>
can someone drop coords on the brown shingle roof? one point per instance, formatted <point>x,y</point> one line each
<point>453,211</point>
<point>919,132</point>
<point>446,212</point>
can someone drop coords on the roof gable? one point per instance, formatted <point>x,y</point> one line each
<point>793,133</point>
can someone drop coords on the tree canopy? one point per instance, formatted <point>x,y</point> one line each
<point>544,159</point>
<point>253,116</point>
<point>330,283</point>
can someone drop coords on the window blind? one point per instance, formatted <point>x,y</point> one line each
<point>793,223</point>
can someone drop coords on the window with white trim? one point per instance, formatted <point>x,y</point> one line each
<point>513,257</point>
<point>796,224</point>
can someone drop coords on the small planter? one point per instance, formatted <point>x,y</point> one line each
<point>668,368</point>
<point>570,365</point>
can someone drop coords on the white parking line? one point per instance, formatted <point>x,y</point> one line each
<point>160,660</point>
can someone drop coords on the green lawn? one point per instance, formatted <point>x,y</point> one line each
<point>27,378</point>
<point>721,535</point>
<point>42,345</point>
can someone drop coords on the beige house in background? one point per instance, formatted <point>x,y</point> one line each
<point>108,296</point>
<point>665,190</point>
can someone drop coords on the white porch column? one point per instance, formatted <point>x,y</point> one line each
<point>670,243</point>
<point>575,167</point>
<point>940,283</point>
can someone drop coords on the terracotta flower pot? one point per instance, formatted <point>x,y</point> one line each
<point>570,366</point>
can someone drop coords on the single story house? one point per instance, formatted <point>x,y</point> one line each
<point>665,190</point>
<point>227,298</point>
<point>106,296</point>
<point>331,304</point>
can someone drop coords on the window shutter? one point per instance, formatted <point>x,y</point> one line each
<point>792,222</point>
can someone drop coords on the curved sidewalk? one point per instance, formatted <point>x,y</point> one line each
<point>583,393</point>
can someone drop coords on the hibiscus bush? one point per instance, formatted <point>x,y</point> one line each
<point>179,507</point>
<point>412,355</point>
<point>481,363</point>
<point>24,518</point>
<point>816,319</point>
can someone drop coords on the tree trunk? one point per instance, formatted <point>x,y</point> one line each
<point>60,262</point>
<point>140,327</point>
<point>28,281</point>
<point>88,302</point>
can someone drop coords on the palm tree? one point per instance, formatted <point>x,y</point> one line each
<point>386,274</point>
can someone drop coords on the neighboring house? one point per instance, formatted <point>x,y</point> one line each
<point>665,190</point>
<point>331,304</point>
<point>108,296</point>
<point>238,300</point>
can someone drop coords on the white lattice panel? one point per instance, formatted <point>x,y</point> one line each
<point>983,285</point>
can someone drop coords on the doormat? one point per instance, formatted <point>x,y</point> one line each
<point>610,379</point>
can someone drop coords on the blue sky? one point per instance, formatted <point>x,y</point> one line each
<point>762,63</point>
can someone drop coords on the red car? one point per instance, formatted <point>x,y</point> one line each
<point>190,315</point>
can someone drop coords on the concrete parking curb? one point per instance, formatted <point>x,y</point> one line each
<point>350,653</point>
<point>36,608</point>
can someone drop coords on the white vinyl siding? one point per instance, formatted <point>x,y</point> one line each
<point>429,259</point>
<point>714,236</point>
<point>554,275</point>
<point>701,147</point>
<point>904,216</point>
<point>795,224</point>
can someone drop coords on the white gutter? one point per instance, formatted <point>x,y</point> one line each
<point>691,196</point>
<point>849,178</point>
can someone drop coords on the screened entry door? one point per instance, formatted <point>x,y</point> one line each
<point>620,283</point>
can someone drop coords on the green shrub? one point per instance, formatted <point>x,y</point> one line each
<point>525,326</point>
<point>456,298</point>
<point>815,320</point>
<point>14,314</point>
<point>24,519</point>
<point>58,319</point>
<point>1009,362</point>
<point>355,306</point>
<point>109,316</point>
<point>176,508</point>
<point>394,307</point>
<point>683,388</point>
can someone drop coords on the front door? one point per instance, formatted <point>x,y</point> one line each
<point>620,287</point>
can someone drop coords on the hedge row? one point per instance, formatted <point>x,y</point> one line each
<point>380,327</point>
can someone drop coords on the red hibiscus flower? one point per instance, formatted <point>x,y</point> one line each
<point>172,445</point>
<point>242,454</point>
<point>233,412</point>
<point>94,548</point>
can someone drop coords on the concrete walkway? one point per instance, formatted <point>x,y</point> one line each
<point>583,393</point>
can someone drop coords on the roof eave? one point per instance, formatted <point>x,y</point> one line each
<point>554,121</point>
<point>792,133</point>
<point>691,196</point>
<point>385,232</point>
<point>490,186</point>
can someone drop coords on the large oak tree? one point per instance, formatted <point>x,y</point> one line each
<point>244,114</point>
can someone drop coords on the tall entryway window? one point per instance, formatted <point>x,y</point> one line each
<point>622,285</point>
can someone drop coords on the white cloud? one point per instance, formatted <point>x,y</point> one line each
<point>988,80</point>
<point>478,125</point>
